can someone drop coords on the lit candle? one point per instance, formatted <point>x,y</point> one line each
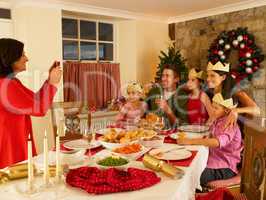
<point>58,166</point>
<point>46,160</point>
<point>30,165</point>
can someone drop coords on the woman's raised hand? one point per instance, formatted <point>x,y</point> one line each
<point>55,73</point>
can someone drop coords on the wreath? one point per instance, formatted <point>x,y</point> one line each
<point>249,54</point>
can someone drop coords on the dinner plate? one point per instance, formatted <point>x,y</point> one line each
<point>190,135</point>
<point>81,144</point>
<point>194,128</point>
<point>108,130</point>
<point>171,152</point>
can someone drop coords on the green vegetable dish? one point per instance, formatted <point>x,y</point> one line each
<point>112,161</point>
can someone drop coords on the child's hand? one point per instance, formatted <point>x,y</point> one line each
<point>184,141</point>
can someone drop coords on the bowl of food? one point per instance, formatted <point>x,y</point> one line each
<point>112,161</point>
<point>131,151</point>
<point>152,142</point>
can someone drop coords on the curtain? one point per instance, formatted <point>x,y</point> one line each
<point>96,83</point>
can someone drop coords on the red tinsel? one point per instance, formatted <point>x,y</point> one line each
<point>96,181</point>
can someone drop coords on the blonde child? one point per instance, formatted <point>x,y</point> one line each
<point>134,108</point>
<point>224,145</point>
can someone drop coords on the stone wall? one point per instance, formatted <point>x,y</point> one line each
<point>194,37</point>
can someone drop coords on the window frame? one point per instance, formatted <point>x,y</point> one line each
<point>97,41</point>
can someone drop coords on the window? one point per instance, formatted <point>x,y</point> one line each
<point>87,40</point>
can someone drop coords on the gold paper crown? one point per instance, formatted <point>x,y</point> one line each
<point>228,103</point>
<point>219,67</point>
<point>136,87</point>
<point>194,73</point>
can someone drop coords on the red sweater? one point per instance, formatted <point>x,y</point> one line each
<point>17,104</point>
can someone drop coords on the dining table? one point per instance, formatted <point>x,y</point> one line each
<point>167,189</point>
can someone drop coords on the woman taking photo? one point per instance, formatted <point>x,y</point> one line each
<point>18,103</point>
<point>219,80</point>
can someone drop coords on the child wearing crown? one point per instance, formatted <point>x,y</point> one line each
<point>224,146</point>
<point>199,105</point>
<point>134,108</point>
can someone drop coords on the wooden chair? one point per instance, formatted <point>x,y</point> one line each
<point>253,170</point>
<point>68,115</point>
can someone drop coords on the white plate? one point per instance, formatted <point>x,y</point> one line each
<point>190,135</point>
<point>174,154</point>
<point>81,144</point>
<point>194,128</point>
<point>69,159</point>
<point>107,130</point>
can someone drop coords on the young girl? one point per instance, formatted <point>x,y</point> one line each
<point>199,105</point>
<point>134,108</point>
<point>224,146</point>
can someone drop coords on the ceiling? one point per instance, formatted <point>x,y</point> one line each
<point>159,8</point>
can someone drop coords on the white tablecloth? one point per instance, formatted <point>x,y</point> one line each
<point>182,189</point>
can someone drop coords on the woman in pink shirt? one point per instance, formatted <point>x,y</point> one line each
<point>224,145</point>
<point>134,108</point>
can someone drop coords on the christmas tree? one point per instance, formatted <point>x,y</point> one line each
<point>173,58</point>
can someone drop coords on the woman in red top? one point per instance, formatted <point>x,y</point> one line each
<point>17,103</point>
<point>199,106</point>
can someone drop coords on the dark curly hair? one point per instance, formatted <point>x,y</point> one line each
<point>10,51</point>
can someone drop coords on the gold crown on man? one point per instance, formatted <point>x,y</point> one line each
<point>219,66</point>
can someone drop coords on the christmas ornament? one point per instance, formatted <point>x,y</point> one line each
<point>240,38</point>
<point>249,62</point>
<point>221,41</point>
<point>249,70</point>
<point>235,43</point>
<point>227,46</point>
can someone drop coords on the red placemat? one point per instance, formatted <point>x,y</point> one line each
<point>96,181</point>
<point>169,140</point>
<point>167,132</point>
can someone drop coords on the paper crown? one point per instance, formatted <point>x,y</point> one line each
<point>194,73</point>
<point>228,103</point>
<point>136,87</point>
<point>219,67</point>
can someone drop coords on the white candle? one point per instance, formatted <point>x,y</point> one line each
<point>58,166</point>
<point>46,160</point>
<point>30,165</point>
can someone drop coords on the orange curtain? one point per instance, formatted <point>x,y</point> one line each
<point>96,83</point>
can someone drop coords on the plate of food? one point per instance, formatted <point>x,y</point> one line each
<point>194,128</point>
<point>190,135</point>
<point>115,139</point>
<point>81,144</point>
<point>112,161</point>
<point>171,152</point>
<point>131,151</point>
<point>109,130</point>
